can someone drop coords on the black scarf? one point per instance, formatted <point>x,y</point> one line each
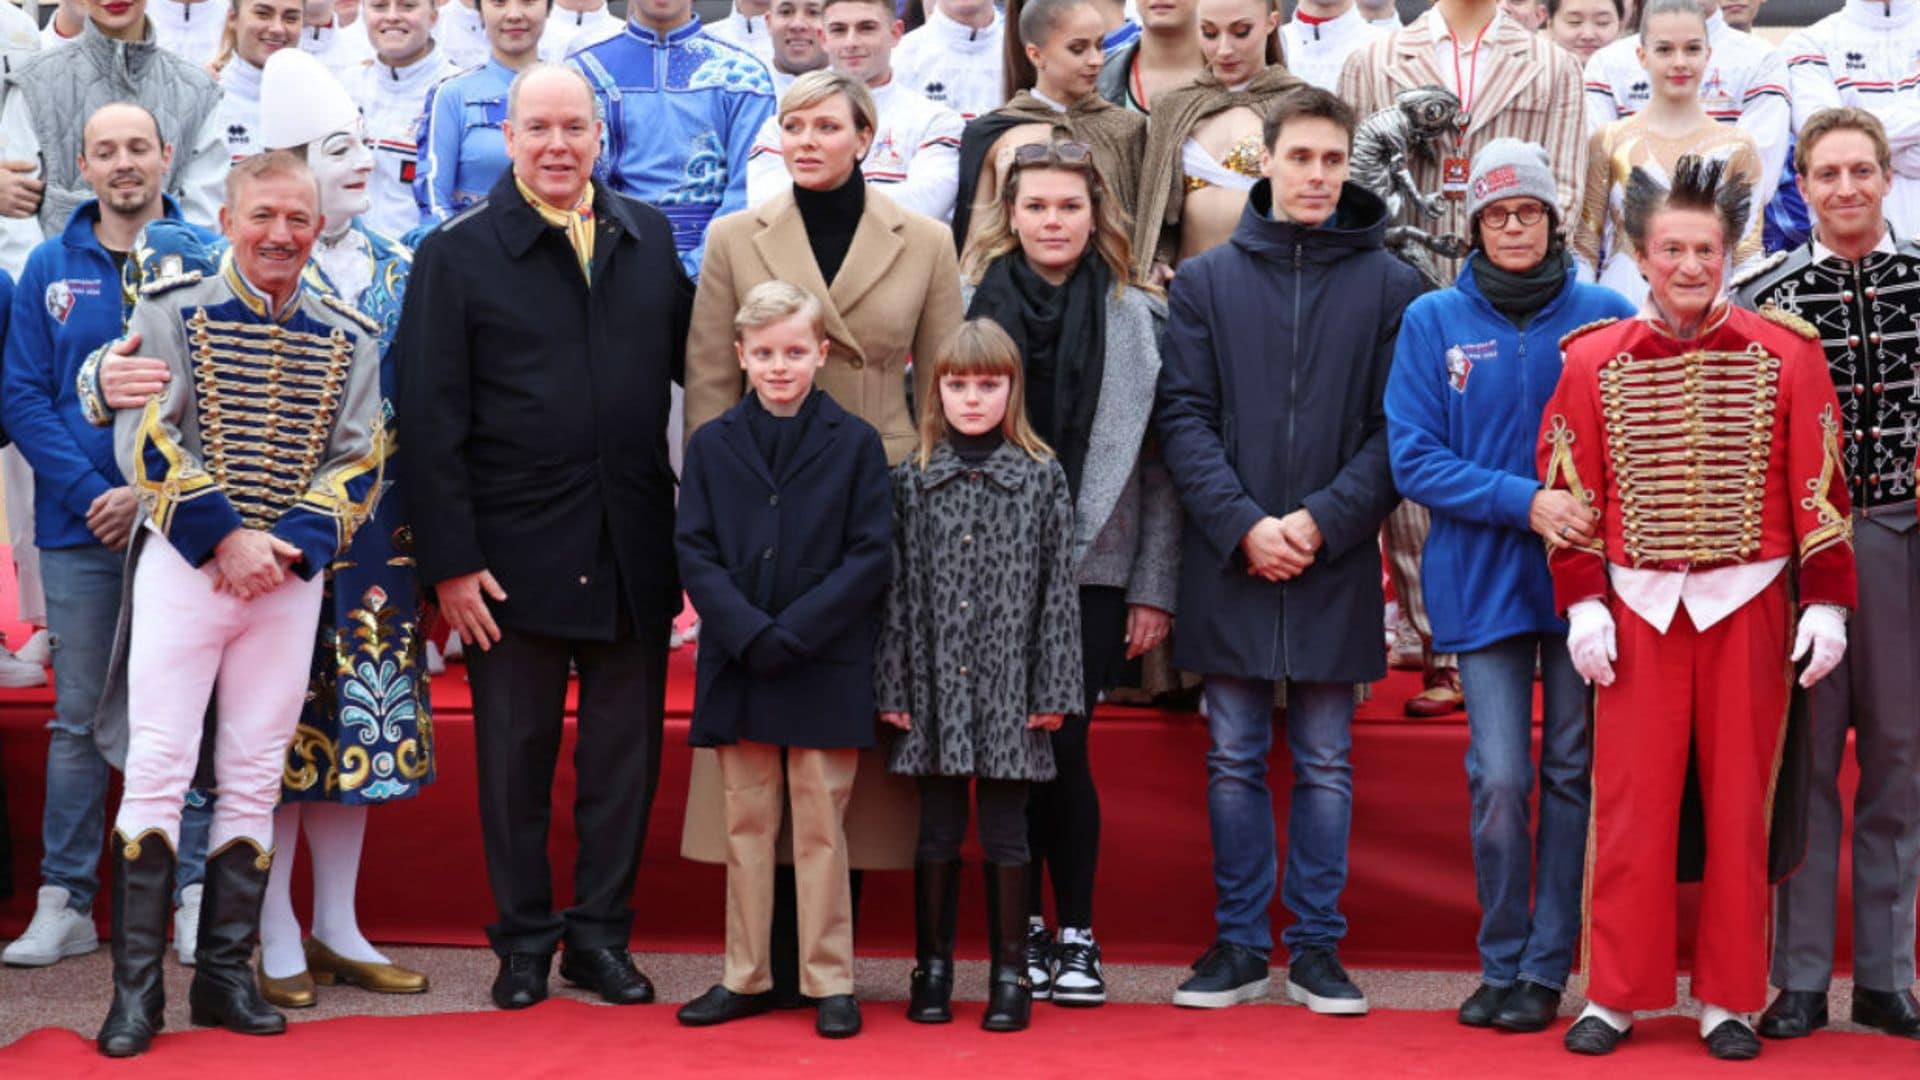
<point>831,218</point>
<point>1061,332</point>
<point>1523,295</point>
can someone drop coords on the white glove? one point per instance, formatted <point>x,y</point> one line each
<point>1823,630</point>
<point>1590,641</point>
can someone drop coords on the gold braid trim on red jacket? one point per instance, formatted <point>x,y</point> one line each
<point>1561,472</point>
<point>1835,528</point>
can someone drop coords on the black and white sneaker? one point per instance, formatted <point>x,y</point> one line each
<point>1040,959</point>
<point>1316,979</point>
<point>1076,969</point>
<point>1226,974</point>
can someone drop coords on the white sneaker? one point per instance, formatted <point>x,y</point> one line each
<point>186,924</point>
<point>456,649</point>
<point>37,650</point>
<point>436,664</point>
<point>56,932</point>
<point>16,674</point>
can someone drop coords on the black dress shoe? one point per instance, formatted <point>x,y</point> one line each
<point>1529,1008</point>
<point>719,1005</point>
<point>1795,1014</point>
<point>1594,1037</point>
<point>608,972</point>
<point>522,980</point>
<point>839,1016</point>
<point>1733,1041</point>
<point>1478,1009</point>
<point>1892,1012</point>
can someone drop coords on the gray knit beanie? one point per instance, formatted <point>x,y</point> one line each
<point>1505,168</point>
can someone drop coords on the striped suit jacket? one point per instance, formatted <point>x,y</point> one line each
<point>1532,90</point>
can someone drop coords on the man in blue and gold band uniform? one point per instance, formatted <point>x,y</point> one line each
<point>1858,284</point>
<point>254,466</point>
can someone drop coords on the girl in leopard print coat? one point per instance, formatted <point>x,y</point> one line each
<point>979,657</point>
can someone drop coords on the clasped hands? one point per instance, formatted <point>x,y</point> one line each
<point>1281,548</point>
<point>250,563</point>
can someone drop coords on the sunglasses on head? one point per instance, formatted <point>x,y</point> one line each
<point>1061,152</point>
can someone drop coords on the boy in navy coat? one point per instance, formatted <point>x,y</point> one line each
<point>784,537</point>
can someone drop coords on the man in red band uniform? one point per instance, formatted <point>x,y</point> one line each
<point>1704,435</point>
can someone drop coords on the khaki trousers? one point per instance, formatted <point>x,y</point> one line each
<point>815,784</point>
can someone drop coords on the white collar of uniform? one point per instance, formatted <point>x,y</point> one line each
<point>752,23</point>
<point>884,94</point>
<point>1437,23</point>
<point>1821,252</point>
<point>242,79</point>
<point>1387,22</point>
<point>959,33</point>
<point>1876,15</point>
<point>1047,101</point>
<point>175,13</point>
<point>581,18</point>
<point>1341,26</point>
<point>424,69</point>
<point>1717,29</point>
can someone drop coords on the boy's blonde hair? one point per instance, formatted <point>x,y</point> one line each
<point>980,347</point>
<point>772,301</point>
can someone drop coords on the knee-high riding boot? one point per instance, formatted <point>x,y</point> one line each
<point>142,908</point>
<point>936,899</point>
<point>224,993</point>
<point>1009,993</point>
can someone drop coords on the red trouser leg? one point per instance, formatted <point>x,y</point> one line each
<point>1640,733</point>
<point>1740,698</point>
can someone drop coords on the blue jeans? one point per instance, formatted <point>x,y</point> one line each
<point>1529,886</point>
<point>1240,808</point>
<point>83,611</point>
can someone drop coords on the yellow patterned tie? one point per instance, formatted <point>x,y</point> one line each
<point>577,223</point>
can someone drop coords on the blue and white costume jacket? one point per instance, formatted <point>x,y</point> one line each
<point>681,113</point>
<point>463,148</point>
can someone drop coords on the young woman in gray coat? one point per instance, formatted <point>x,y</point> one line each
<point>1051,267</point>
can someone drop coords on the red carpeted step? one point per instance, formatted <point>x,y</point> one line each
<point>570,1039</point>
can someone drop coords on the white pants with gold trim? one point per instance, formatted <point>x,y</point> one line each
<point>188,644</point>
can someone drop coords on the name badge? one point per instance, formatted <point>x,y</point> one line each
<point>1454,173</point>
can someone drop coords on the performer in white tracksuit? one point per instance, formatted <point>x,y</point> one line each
<point>954,58</point>
<point>391,91</point>
<point>1867,55</point>
<point>746,27</point>
<point>260,29</point>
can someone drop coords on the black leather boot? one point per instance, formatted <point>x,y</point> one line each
<point>224,993</point>
<point>936,900</point>
<point>1009,993</point>
<point>142,909</point>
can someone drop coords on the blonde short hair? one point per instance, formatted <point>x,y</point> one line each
<point>815,87</point>
<point>773,301</point>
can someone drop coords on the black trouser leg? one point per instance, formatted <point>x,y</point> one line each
<point>519,702</point>
<point>617,763</point>
<point>1063,814</point>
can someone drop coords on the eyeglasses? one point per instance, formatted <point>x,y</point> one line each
<point>1529,215</point>
<point>1061,152</point>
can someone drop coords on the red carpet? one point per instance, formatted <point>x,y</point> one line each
<point>566,1039</point>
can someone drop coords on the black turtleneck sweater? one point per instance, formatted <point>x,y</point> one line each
<point>974,449</point>
<point>831,218</point>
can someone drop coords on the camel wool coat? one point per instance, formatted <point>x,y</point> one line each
<point>897,297</point>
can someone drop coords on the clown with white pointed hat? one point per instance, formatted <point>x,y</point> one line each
<point>366,735</point>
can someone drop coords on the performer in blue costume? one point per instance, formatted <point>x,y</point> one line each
<point>681,110</point>
<point>463,149</point>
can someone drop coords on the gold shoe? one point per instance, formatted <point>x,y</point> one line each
<point>292,992</point>
<point>329,967</point>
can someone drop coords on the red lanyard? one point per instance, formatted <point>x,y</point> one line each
<point>1473,75</point>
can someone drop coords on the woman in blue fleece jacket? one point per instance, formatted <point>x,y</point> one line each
<point>1472,373</point>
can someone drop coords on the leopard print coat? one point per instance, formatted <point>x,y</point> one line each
<point>983,618</point>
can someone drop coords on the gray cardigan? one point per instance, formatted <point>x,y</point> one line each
<point>1126,520</point>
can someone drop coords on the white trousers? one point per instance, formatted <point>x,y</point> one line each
<point>190,643</point>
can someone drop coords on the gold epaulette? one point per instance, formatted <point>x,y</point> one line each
<point>351,312</point>
<point>168,281</point>
<point>1776,314</point>
<point>1568,337</point>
